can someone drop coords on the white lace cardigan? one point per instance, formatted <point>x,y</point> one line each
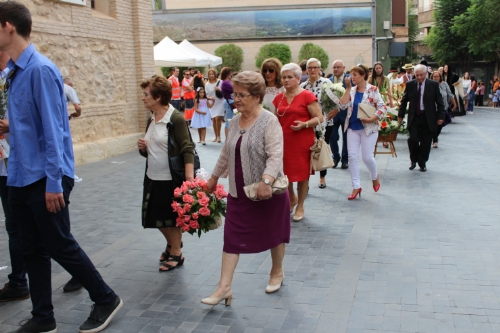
<point>261,151</point>
<point>372,97</point>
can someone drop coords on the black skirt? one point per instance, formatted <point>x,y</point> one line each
<point>157,200</point>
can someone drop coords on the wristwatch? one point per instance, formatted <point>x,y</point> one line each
<point>266,181</point>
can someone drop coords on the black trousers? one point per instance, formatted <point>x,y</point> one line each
<point>479,100</point>
<point>17,279</point>
<point>46,235</point>
<point>328,133</point>
<point>420,140</point>
<point>436,134</point>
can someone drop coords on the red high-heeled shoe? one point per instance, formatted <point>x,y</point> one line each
<point>352,197</point>
<point>376,187</point>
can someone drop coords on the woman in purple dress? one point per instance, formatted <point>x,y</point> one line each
<point>253,153</point>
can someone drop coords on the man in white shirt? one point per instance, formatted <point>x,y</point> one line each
<point>72,97</point>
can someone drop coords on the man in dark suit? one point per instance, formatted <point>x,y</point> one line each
<point>339,76</point>
<point>425,114</point>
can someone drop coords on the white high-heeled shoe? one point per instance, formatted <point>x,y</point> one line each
<point>216,300</point>
<point>271,288</point>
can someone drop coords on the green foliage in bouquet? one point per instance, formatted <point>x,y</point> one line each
<point>389,124</point>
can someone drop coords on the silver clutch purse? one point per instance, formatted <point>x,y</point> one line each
<point>279,186</point>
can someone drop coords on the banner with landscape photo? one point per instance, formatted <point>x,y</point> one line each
<point>263,23</point>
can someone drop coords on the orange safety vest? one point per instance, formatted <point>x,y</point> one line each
<point>188,94</point>
<point>176,88</point>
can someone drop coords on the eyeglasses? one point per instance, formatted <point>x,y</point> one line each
<point>239,96</point>
<point>7,84</point>
<point>289,77</point>
<point>270,70</point>
<point>313,68</point>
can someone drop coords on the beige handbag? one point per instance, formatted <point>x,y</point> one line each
<point>365,111</point>
<point>279,186</point>
<point>321,155</point>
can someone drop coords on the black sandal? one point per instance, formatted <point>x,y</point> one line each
<point>178,259</point>
<point>166,254</point>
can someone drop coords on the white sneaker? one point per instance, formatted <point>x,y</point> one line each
<point>77,179</point>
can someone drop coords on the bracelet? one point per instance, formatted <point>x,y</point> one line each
<point>307,124</point>
<point>213,179</point>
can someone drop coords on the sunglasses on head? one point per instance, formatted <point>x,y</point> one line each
<point>270,70</point>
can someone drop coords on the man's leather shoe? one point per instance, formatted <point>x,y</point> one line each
<point>335,163</point>
<point>344,165</point>
<point>72,285</point>
<point>423,168</point>
<point>9,293</point>
<point>412,166</point>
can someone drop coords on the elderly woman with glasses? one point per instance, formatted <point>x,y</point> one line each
<point>298,112</point>
<point>314,84</point>
<point>253,153</point>
<point>362,131</point>
<point>271,72</point>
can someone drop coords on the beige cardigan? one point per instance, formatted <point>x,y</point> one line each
<point>261,151</point>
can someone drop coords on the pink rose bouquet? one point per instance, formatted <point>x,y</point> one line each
<point>197,210</point>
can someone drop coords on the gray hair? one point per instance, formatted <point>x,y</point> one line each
<point>313,60</point>
<point>67,80</point>
<point>338,60</point>
<point>296,70</point>
<point>420,67</point>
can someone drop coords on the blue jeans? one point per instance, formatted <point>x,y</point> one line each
<point>470,106</point>
<point>17,279</point>
<point>176,104</point>
<point>229,111</point>
<point>46,235</point>
<point>338,123</point>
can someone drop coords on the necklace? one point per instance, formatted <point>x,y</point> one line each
<point>249,120</point>
<point>277,112</point>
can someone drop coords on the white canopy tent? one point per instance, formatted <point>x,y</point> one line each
<point>168,54</point>
<point>214,60</point>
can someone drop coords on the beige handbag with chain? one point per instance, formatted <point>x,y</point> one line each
<point>279,186</point>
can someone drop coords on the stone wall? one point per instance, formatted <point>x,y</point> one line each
<point>106,56</point>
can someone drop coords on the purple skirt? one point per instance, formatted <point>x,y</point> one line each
<point>255,226</point>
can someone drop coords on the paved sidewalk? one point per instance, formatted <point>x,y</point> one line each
<point>418,256</point>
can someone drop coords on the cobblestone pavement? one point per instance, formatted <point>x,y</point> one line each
<point>419,256</point>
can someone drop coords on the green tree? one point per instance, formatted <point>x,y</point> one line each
<point>446,45</point>
<point>310,50</point>
<point>232,56</point>
<point>273,50</point>
<point>480,26</point>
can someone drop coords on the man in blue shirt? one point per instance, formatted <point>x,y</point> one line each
<point>17,287</point>
<point>41,167</point>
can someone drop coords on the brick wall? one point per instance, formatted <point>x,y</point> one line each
<point>106,56</point>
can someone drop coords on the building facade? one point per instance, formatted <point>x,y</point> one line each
<point>105,48</point>
<point>343,28</point>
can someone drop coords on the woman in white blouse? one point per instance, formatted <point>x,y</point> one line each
<point>271,72</point>
<point>466,84</point>
<point>157,213</point>
<point>217,110</point>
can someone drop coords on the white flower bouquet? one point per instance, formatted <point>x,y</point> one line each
<point>330,95</point>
